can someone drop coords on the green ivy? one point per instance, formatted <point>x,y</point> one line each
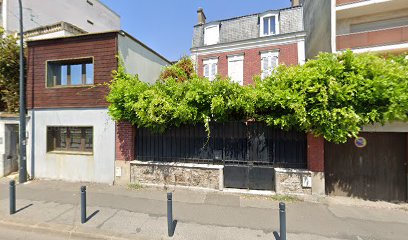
<point>333,96</point>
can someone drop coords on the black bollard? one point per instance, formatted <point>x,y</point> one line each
<point>83,204</point>
<point>282,221</point>
<point>170,214</point>
<point>12,197</point>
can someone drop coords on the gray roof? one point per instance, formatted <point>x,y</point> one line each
<point>247,27</point>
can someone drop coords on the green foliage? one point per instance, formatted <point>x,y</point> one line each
<point>9,72</point>
<point>332,96</point>
<point>180,71</point>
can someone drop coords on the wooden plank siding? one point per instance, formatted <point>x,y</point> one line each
<point>102,47</point>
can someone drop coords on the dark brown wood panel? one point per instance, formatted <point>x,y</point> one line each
<point>375,172</point>
<point>102,47</point>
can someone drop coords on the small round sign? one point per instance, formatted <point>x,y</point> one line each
<point>360,142</point>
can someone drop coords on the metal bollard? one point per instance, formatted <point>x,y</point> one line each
<point>282,221</point>
<point>83,204</point>
<point>170,214</point>
<point>12,197</point>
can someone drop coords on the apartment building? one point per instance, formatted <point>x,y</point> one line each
<point>245,46</point>
<point>88,15</point>
<point>379,26</point>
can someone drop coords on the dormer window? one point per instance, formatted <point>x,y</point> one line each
<point>269,24</point>
<point>212,34</point>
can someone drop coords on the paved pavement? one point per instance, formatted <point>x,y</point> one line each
<point>117,212</point>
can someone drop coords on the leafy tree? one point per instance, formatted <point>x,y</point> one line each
<point>9,72</point>
<point>180,71</point>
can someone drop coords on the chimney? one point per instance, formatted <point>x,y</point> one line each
<point>201,16</point>
<point>295,3</point>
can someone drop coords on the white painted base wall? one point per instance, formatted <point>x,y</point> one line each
<point>98,167</point>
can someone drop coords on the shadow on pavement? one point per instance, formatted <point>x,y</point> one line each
<point>174,228</point>
<point>92,215</point>
<point>21,209</point>
<point>276,234</point>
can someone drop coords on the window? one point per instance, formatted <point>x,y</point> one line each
<point>269,60</point>
<point>210,68</point>
<point>75,139</point>
<point>236,68</point>
<point>212,34</point>
<point>70,72</point>
<point>269,25</point>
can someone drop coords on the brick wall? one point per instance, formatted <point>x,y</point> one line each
<point>125,141</point>
<point>315,153</point>
<point>102,47</point>
<point>288,54</point>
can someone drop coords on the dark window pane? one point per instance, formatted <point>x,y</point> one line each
<point>88,139</point>
<point>266,26</point>
<point>75,138</point>
<point>272,27</point>
<point>80,139</point>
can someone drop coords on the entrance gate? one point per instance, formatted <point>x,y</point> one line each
<point>249,151</point>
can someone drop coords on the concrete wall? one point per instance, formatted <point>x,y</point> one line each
<point>138,59</point>
<point>318,26</point>
<point>62,33</point>
<point>97,167</point>
<point>177,174</point>
<point>77,12</point>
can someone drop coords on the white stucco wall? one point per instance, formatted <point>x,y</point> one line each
<point>57,34</point>
<point>98,167</point>
<point>140,60</point>
<point>39,13</point>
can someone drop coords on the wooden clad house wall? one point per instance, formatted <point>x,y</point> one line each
<point>101,47</point>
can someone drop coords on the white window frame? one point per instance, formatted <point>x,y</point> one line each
<point>261,25</point>
<point>270,56</point>
<point>209,39</point>
<point>212,64</point>
<point>231,60</point>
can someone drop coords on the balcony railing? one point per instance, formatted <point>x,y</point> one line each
<point>343,2</point>
<point>373,38</point>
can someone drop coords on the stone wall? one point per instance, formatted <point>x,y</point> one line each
<point>177,174</point>
<point>289,181</point>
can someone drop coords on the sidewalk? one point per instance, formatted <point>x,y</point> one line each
<point>121,213</point>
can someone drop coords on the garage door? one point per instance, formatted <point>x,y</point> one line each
<point>374,167</point>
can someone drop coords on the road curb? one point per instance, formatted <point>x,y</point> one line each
<point>71,231</point>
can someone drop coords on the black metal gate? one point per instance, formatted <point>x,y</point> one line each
<point>249,151</point>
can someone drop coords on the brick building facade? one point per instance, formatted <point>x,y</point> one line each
<point>248,46</point>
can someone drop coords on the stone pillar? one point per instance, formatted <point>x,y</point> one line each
<point>124,151</point>
<point>315,163</point>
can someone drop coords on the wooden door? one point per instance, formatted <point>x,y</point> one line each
<point>377,171</point>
